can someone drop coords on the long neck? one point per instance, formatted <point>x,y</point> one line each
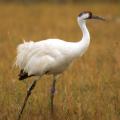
<point>86,36</point>
<point>83,44</point>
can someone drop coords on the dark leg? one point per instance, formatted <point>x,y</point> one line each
<point>52,94</point>
<point>29,91</point>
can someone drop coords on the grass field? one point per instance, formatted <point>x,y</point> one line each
<point>89,89</point>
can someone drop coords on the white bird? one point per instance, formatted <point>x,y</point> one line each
<point>52,56</point>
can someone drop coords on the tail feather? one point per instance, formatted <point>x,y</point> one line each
<point>22,51</point>
<point>23,75</point>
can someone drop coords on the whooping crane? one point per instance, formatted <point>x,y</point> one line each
<point>52,56</point>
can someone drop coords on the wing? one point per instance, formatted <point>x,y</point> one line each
<point>38,65</point>
<point>36,58</point>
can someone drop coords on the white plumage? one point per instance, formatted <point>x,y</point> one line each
<point>52,56</point>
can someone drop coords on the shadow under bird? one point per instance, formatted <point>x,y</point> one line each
<point>51,56</point>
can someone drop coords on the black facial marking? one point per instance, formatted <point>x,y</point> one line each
<point>90,14</point>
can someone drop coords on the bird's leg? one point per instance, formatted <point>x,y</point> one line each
<point>52,94</point>
<point>29,91</point>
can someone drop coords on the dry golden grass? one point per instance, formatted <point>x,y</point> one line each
<point>89,89</point>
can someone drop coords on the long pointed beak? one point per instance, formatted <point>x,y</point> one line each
<point>98,17</point>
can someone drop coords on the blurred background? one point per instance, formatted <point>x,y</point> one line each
<point>90,88</point>
<point>57,1</point>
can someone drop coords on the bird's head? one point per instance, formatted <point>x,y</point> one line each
<point>88,15</point>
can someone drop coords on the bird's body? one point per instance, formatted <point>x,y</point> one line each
<point>52,56</point>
